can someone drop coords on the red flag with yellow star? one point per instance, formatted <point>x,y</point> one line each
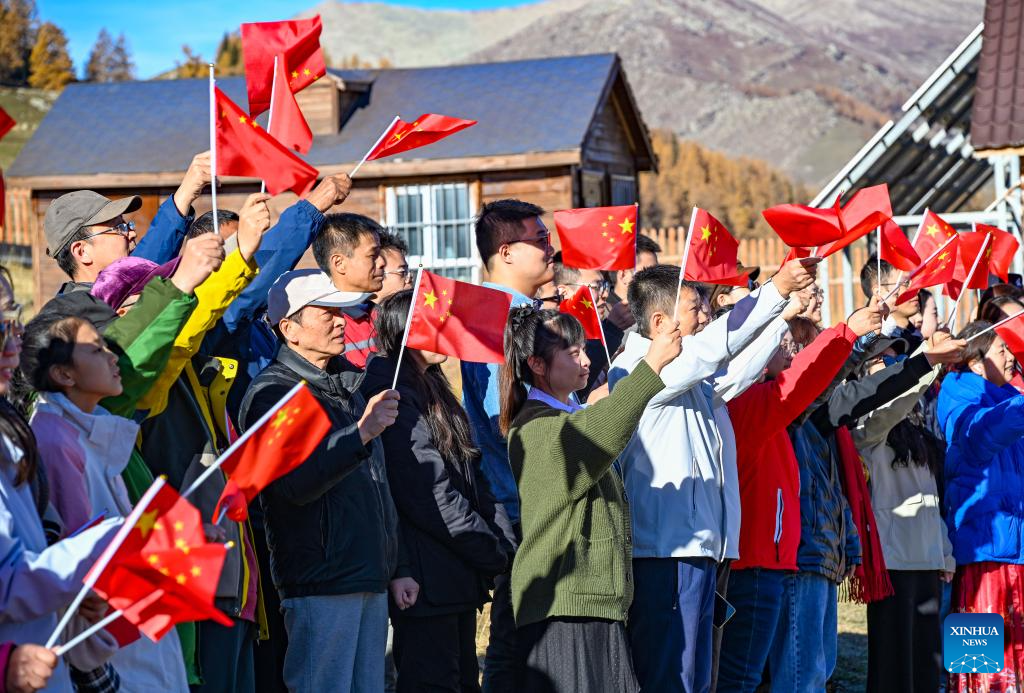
<point>164,571</point>
<point>288,126</point>
<point>581,306</point>
<point>459,319</point>
<point>428,128</point>
<point>280,442</point>
<point>998,250</point>
<point>599,238</point>
<point>939,268</point>
<point>713,253</point>
<point>298,39</point>
<point>933,233</point>
<point>245,149</point>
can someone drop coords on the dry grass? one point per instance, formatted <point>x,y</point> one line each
<point>851,670</point>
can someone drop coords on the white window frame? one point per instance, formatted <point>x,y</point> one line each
<point>429,259</point>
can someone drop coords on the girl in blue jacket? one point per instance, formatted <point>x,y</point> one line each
<point>982,416</point>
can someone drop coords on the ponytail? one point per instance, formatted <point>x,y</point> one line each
<point>530,332</point>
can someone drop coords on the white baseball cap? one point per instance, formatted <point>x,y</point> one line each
<point>307,287</point>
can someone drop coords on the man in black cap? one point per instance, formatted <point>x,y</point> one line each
<point>86,231</point>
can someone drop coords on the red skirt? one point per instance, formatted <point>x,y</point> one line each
<point>996,588</point>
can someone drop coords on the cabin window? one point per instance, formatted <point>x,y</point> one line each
<point>592,188</point>
<point>437,223</point>
<point>623,190</point>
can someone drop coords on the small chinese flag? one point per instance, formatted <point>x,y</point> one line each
<point>600,238</point>
<point>163,572</point>
<point>1012,332</point>
<point>896,249</point>
<point>245,149</point>
<point>582,307</point>
<point>286,436</point>
<point>288,126</point>
<point>867,209</point>
<point>806,227</point>
<point>939,269</point>
<point>1001,250</point>
<point>428,128</point>
<point>459,319</point>
<point>713,252</point>
<point>934,232</point>
<point>7,123</point>
<point>298,39</point>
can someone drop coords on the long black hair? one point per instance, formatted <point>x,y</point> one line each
<point>447,420</point>
<point>531,332</point>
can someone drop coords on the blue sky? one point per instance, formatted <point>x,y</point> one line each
<point>156,30</point>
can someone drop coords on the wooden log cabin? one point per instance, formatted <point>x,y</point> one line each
<point>559,132</point>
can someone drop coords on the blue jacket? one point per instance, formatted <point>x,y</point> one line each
<point>241,334</point>
<point>984,425</point>
<point>480,398</point>
<point>165,235</point>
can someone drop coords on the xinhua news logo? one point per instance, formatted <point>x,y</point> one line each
<point>973,643</point>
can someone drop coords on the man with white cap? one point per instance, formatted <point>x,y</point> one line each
<point>331,524</point>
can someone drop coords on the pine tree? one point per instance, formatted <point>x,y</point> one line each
<point>120,67</point>
<point>17,37</point>
<point>97,69</point>
<point>50,64</point>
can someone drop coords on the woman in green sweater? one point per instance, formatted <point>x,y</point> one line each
<point>572,576</point>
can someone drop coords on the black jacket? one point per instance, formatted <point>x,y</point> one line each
<point>454,537</point>
<point>331,525</point>
<point>828,539</point>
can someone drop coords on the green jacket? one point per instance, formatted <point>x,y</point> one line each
<point>575,556</point>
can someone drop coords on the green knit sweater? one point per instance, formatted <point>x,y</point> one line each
<point>575,559</point>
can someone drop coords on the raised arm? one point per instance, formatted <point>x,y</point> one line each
<point>167,230</point>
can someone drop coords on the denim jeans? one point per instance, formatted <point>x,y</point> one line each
<point>671,622</point>
<point>336,643</point>
<point>803,655</point>
<point>757,595</point>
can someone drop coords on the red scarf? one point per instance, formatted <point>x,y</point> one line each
<point>870,581</point>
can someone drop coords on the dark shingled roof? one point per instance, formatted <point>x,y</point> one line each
<point>542,105</point>
<point>997,118</point>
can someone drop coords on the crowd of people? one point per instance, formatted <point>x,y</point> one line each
<point>679,508</point>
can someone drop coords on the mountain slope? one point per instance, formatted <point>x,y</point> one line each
<point>798,83</point>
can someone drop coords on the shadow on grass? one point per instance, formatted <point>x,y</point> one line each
<point>851,673</point>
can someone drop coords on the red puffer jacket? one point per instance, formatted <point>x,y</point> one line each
<point>768,471</point>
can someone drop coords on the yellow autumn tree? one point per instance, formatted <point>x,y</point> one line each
<point>50,65</point>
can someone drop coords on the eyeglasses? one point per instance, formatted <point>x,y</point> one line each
<point>598,287</point>
<point>404,274</point>
<point>538,303</point>
<point>10,324</point>
<point>543,241</point>
<point>124,229</point>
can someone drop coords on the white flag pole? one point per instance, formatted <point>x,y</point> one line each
<point>370,150</point>
<point>270,115</point>
<point>998,324</point>
<point>241,439</point>
<point>604,342</point>
<point>951,321</point>
<point>108,554</point>
<point>686,256</point>
<point>213,149</point>
<point>408,324</point>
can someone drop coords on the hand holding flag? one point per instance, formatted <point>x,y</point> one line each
<point>600,238</point>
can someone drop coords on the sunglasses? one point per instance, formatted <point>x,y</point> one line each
<point>124,229</point>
